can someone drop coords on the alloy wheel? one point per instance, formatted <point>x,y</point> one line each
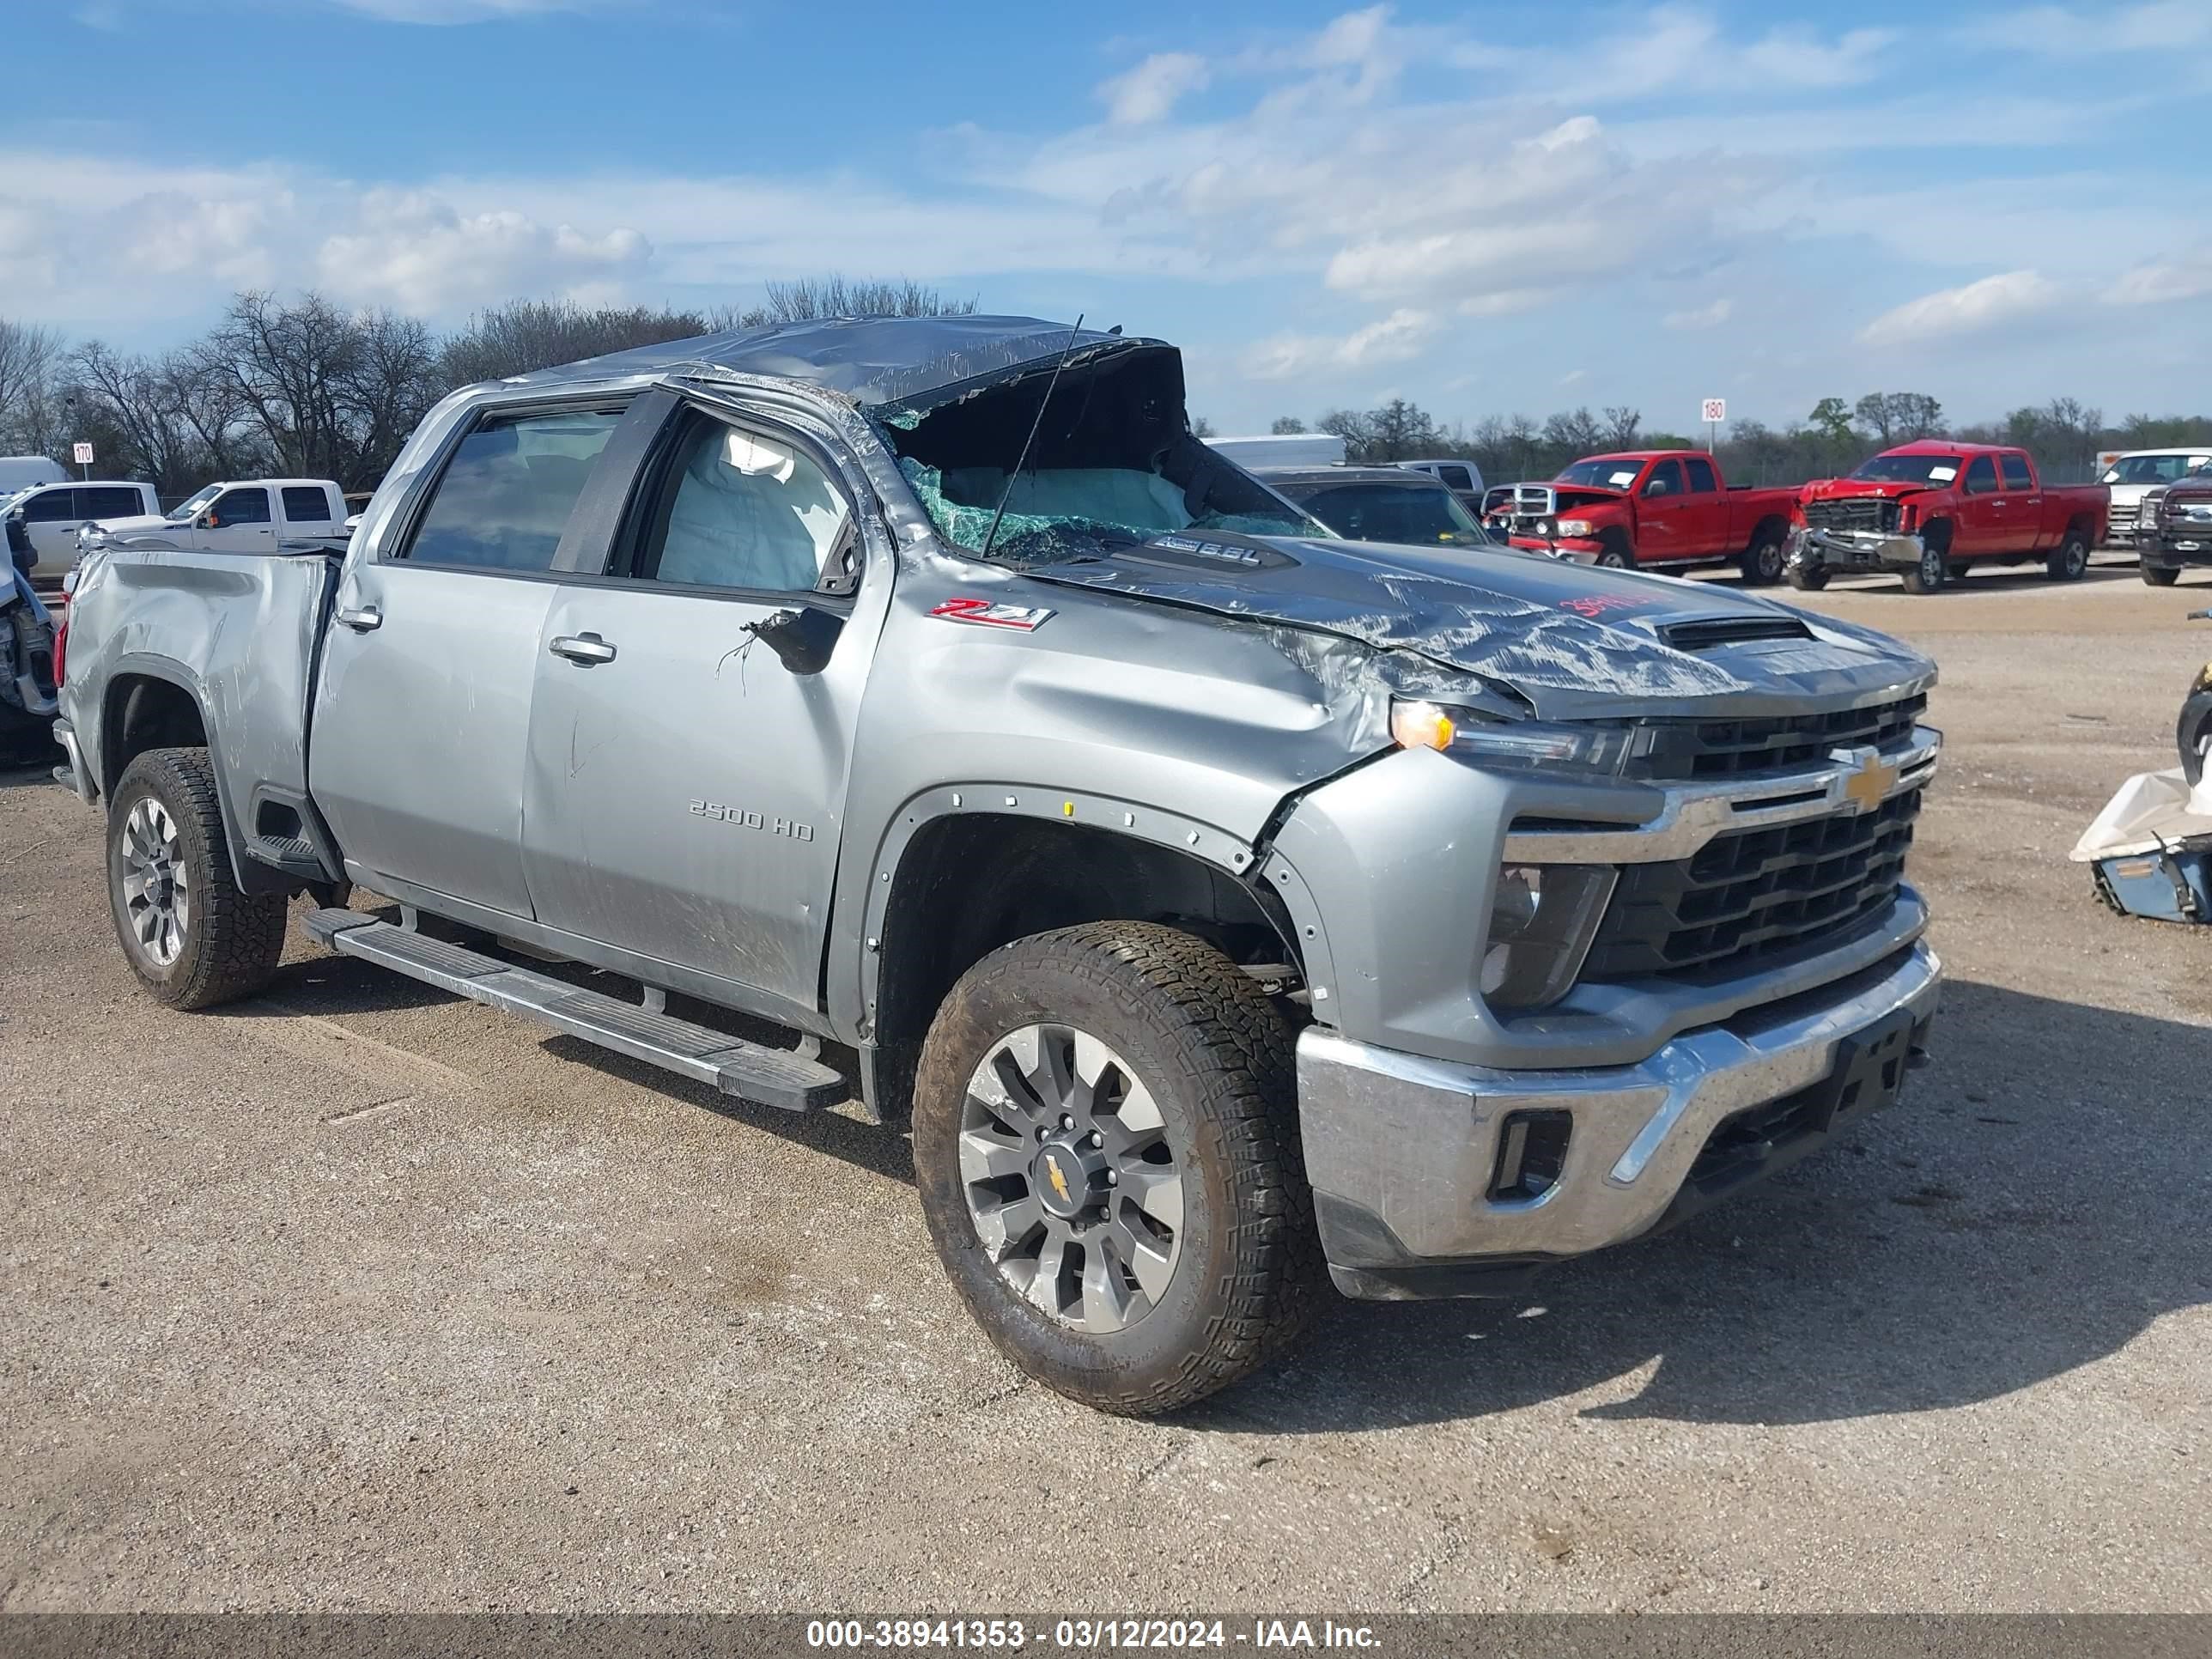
<point>1069,1178</point>
<point>156,885</point>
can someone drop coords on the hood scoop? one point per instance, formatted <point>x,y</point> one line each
<point>1711,633</point>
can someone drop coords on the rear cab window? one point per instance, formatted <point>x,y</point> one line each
<point>305,504</point>
<point>1701,482</point>
<point>505,494</point>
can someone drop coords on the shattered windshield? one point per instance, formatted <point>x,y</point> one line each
<point>1910,468</point>
<point>1113,465</point>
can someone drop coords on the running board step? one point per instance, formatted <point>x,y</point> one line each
<point>749,1071</point>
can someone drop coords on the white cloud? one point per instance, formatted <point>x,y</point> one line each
<point>1150,91</point>
<point>1396,339</point>
<point>2186,276</point>
<point>416,252</point>
<point>2161,27</point>
<point>1950,311</point>
<point>1711,316</point>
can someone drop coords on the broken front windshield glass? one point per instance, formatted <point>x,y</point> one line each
<point>1113,465</point>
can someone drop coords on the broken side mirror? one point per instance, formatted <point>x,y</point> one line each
<point>802,639</point>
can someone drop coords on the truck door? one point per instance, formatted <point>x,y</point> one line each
<point>421,716</point>
<point>1706,510</point>
<point>239,521</point>
<point>686,778</point>
<point>1979,526</point>
<point>1663,514</point>
<point>2021,505</point>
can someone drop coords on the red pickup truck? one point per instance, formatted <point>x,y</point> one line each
<point>1648,506</point>
<point>1930,510</point>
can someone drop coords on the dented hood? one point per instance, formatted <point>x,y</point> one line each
<point>1571,640</point>
<point>1838,489</point>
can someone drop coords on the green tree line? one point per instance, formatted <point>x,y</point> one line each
<point>2064,435</point>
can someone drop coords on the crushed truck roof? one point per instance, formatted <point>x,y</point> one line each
<point>874,361</point>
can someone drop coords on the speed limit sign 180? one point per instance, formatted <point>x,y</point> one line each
<point>1715,409</point>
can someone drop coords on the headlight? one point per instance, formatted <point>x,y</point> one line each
<point>1574,527</point>
<point>1490,742</point>
<point>1541,923</point>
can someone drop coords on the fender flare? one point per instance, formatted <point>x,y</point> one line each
<point>855,978</point>
<point>251,876</point>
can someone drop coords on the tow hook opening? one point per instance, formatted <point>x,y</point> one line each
<point>1532,1150</point>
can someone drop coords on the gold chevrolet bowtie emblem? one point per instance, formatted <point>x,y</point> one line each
<point>1869,786</point>
<point>1059,1181</point>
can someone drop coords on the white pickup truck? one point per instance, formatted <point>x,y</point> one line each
<point>246,516</point>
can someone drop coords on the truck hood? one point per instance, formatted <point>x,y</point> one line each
<point>1569,641</point>
<point>140,523</point>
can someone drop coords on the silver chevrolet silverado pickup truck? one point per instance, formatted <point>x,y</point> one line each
<point>914,716</point>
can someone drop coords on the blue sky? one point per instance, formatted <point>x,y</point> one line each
<point>1510,208</point>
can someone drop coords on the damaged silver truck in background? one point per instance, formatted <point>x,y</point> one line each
<point>915,713</point>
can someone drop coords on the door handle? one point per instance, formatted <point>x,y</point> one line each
<point>585,649</point>
<point>366,620</point>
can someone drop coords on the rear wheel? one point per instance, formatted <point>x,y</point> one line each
<point>193,939</point>
<point>1105,1143</point>
<point>1929,575</point>
<point>1762,564</point>
<point>2070,559</point>
<point>2161,575</point>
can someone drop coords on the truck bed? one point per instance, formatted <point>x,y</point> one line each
<point>240,633</point>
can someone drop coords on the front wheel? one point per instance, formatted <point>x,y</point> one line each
<point>1615,558</point>
<point>1762,564</point>
<point>2161,575</point>
<point>1105,1143</point>
<point>2070,559</point>
<point>1928,576</point>
<point>193,939</point>
<point>1808,578</point>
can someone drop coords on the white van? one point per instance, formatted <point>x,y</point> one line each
<point>46,518</point>
<point>2131,475</point>
<point>1281,449</point>
<point>22,472</point>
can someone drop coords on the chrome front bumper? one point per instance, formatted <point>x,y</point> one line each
<point>1852,550</point>
<point>1402,1151</point>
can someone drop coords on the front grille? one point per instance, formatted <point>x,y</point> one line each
<point>1853,512</point>
<point>1727,749</point>
<point>2121,517</point>
<point>1751,894</point>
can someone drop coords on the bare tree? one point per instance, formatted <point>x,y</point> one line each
<point>1575,430</point>
<point>1285,425</point>
<point>524,334</point>
<point>31,357</point>
<point>805,298</point>
<point>1620,426</point>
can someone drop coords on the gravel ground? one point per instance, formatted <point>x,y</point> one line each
<point>359,1296</point>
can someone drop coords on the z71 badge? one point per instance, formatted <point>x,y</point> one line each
<point>1027,617</point>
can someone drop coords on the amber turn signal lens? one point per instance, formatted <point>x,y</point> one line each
<point>1420,725</point>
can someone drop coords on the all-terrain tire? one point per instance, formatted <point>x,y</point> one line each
<point>2068,559</point>
<point>1216,1056</point>
<point>228,941</point>
<point>2161,575</point>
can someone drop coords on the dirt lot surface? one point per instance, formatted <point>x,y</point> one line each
<point>358,1296</point>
